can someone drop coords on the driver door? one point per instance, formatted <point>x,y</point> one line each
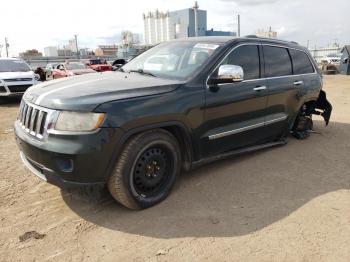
<point>235,112</point>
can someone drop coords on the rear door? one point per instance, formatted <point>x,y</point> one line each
<point>284,89</point>
<point>304,70</point>
<point>235,112</point>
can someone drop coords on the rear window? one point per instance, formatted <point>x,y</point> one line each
<point>277,61</point>
<point>301,62</point>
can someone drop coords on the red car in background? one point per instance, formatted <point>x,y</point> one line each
<point>99,65</point>
<point>70,69</point>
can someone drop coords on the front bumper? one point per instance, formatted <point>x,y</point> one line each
<point>69,161</point>
<point>14,88</point>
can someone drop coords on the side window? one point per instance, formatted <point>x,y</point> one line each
<point>301,62</point>
<point>247,57</point>
<point>277,61</point>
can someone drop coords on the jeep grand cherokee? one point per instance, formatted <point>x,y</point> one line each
<point>176,106</point>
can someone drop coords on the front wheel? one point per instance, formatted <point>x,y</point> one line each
<point>146,169</point>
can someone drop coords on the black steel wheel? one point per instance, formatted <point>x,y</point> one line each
<point>146,169</point>
<point>152,171</point>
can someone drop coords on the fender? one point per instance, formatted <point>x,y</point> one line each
<point>168,124</point>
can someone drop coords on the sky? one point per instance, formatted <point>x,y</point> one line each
<point>35,24</point>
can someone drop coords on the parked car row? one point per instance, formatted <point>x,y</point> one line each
<point>16,76</point>
<point>55,71</point>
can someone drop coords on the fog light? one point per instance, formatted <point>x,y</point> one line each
<point>65,165</point>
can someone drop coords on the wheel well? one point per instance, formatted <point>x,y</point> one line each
<point>181,135</point>
<point>185,144</point>
<point>306,108</point>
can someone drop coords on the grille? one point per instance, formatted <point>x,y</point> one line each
<point>18,88</point>
<point>32,119</point>
<point>18,79</point>
<point>2,89</point>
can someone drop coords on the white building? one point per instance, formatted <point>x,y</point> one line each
<point>157,27</point>
<point>266,34</point>
<point>72,45</point>
<point>164,26</point>
<point>50,51</point>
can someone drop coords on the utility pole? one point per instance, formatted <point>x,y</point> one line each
<point>7,47</point>
<point>76,45</point>
<point>195,8</point>
<point>239,25</point>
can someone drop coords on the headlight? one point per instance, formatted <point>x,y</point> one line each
<point>78,122</point>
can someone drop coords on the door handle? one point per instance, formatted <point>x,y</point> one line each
<point>298,83</point>
<point>259,88</point>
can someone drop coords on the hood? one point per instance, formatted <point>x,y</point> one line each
<point>86,92</point>
<point>12,75</point>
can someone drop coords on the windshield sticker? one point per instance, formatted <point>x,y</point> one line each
<point>206,46</point>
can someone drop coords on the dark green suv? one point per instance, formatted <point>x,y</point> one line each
<point>178,105</point>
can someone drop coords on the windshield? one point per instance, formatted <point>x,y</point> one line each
<point>74,66</point>
<point>97,62</point>
<point>172,59</point>
<point>13,66</point>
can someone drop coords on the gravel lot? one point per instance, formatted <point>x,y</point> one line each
<point>289,203</point>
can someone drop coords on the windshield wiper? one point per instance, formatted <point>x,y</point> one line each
<point>142,72</point>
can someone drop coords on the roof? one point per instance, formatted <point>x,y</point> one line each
<point>226,39</point>
<point>208,39</point>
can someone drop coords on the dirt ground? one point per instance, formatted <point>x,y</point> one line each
<point>289,203</point>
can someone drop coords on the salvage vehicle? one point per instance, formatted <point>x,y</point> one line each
<point>15,77</point>
<point>135,130</point>
<point>99,65</point>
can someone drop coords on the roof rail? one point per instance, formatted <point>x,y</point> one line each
<point>251,36</point>
<point>294,42</point>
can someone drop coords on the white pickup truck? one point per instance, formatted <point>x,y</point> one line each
<point>15,77</point>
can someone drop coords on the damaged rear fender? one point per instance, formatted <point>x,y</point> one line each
<point>323,107</point>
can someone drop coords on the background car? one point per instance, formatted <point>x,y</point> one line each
<point>332,59</point>
<point>15,77</point>
<point>71,69</point>
<point>99,65</point>
<point>49,69</point>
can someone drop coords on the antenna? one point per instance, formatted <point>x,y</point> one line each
<point>7,47</point>
<point>239,25</point>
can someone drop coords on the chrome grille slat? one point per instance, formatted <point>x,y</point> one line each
<point>24,114</point>
<point>32,119</point>
<point>38,122</point>
<point>29,111</point>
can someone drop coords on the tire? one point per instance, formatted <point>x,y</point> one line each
<point>146,170</point>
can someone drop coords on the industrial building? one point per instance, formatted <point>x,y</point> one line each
<point>266,34</point>
<point>319,53</point>
<point>190,22</point>
<point>106,50</point>
<point>30,53</point>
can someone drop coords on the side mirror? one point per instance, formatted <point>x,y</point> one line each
<point>228,74</point>
<point>232,73</point>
